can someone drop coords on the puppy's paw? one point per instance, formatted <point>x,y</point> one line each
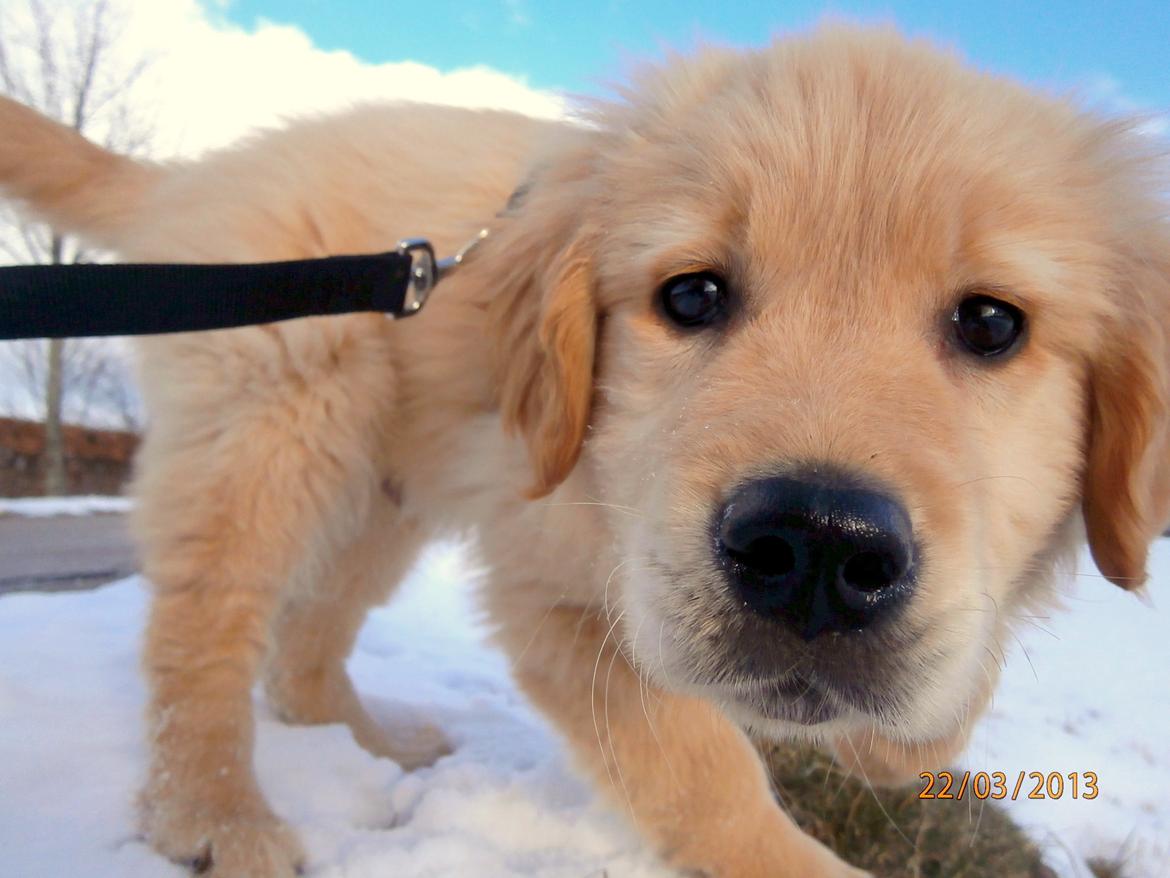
<point>411,745</point>
<point>244,841</point>
<point>397,734</point>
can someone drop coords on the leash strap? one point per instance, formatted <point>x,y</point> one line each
<point>71,301</point>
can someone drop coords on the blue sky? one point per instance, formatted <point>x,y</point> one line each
<point>1119,50</point>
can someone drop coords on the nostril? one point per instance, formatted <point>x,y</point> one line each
<point>767,555</point>
<point>870,571</point>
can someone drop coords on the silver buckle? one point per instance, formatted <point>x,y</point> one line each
<point>423,274</point>
<point>426,271</point>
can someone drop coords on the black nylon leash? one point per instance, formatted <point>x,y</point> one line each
<point>72,301</point>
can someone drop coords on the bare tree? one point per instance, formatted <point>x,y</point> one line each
<point>64,59</point>
<point>97,386</point>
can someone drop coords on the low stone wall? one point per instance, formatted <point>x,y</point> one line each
<point>96,461</point>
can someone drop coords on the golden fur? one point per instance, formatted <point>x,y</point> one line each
<point>851,185</point>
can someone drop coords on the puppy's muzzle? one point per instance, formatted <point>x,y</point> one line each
<point>817,552</point>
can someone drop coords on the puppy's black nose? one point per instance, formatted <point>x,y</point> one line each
<point>817,551</point>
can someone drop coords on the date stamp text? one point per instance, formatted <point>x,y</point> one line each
<point>997,785</point>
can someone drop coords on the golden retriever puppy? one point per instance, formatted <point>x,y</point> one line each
<point>774,396</point>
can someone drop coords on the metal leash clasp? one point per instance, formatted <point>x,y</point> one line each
<point>446,266</point>
<point>426,271</point>
<point>423,273</point>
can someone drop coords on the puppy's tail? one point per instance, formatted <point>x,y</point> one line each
<point>73,184</point>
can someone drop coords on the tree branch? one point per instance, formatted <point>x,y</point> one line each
<point>67,61</point>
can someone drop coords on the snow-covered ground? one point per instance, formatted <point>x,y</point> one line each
<point>48,507</point>
<point>1088,689</point>
<point>1095,697</point>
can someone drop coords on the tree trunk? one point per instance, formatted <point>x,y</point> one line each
<point>56,482</point>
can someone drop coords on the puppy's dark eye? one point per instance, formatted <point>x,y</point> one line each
<point>694,299</point>
<point>987,326</point>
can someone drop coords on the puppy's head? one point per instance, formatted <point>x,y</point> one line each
<point>858,337</point>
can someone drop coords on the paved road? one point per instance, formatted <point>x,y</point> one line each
<point>63,553</point>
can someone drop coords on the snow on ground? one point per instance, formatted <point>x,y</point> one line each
<point>1088,689</point>
<point>507,803</point>
<point>47,507</point>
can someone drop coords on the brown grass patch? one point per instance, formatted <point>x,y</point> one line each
<point>893,833</point>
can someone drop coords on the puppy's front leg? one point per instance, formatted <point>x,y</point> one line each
<point>216,588</point>
<point>250,480</point>
<point>689,779</point>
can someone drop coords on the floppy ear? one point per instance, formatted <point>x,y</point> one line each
<point>545,320</point>
<point>1127,482</point>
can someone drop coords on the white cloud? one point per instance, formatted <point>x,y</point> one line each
<point>217,80</point>
<point>1105,93</point>
<point>1155,126</point>
<point>212,81</point>
<point>518,12</point>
